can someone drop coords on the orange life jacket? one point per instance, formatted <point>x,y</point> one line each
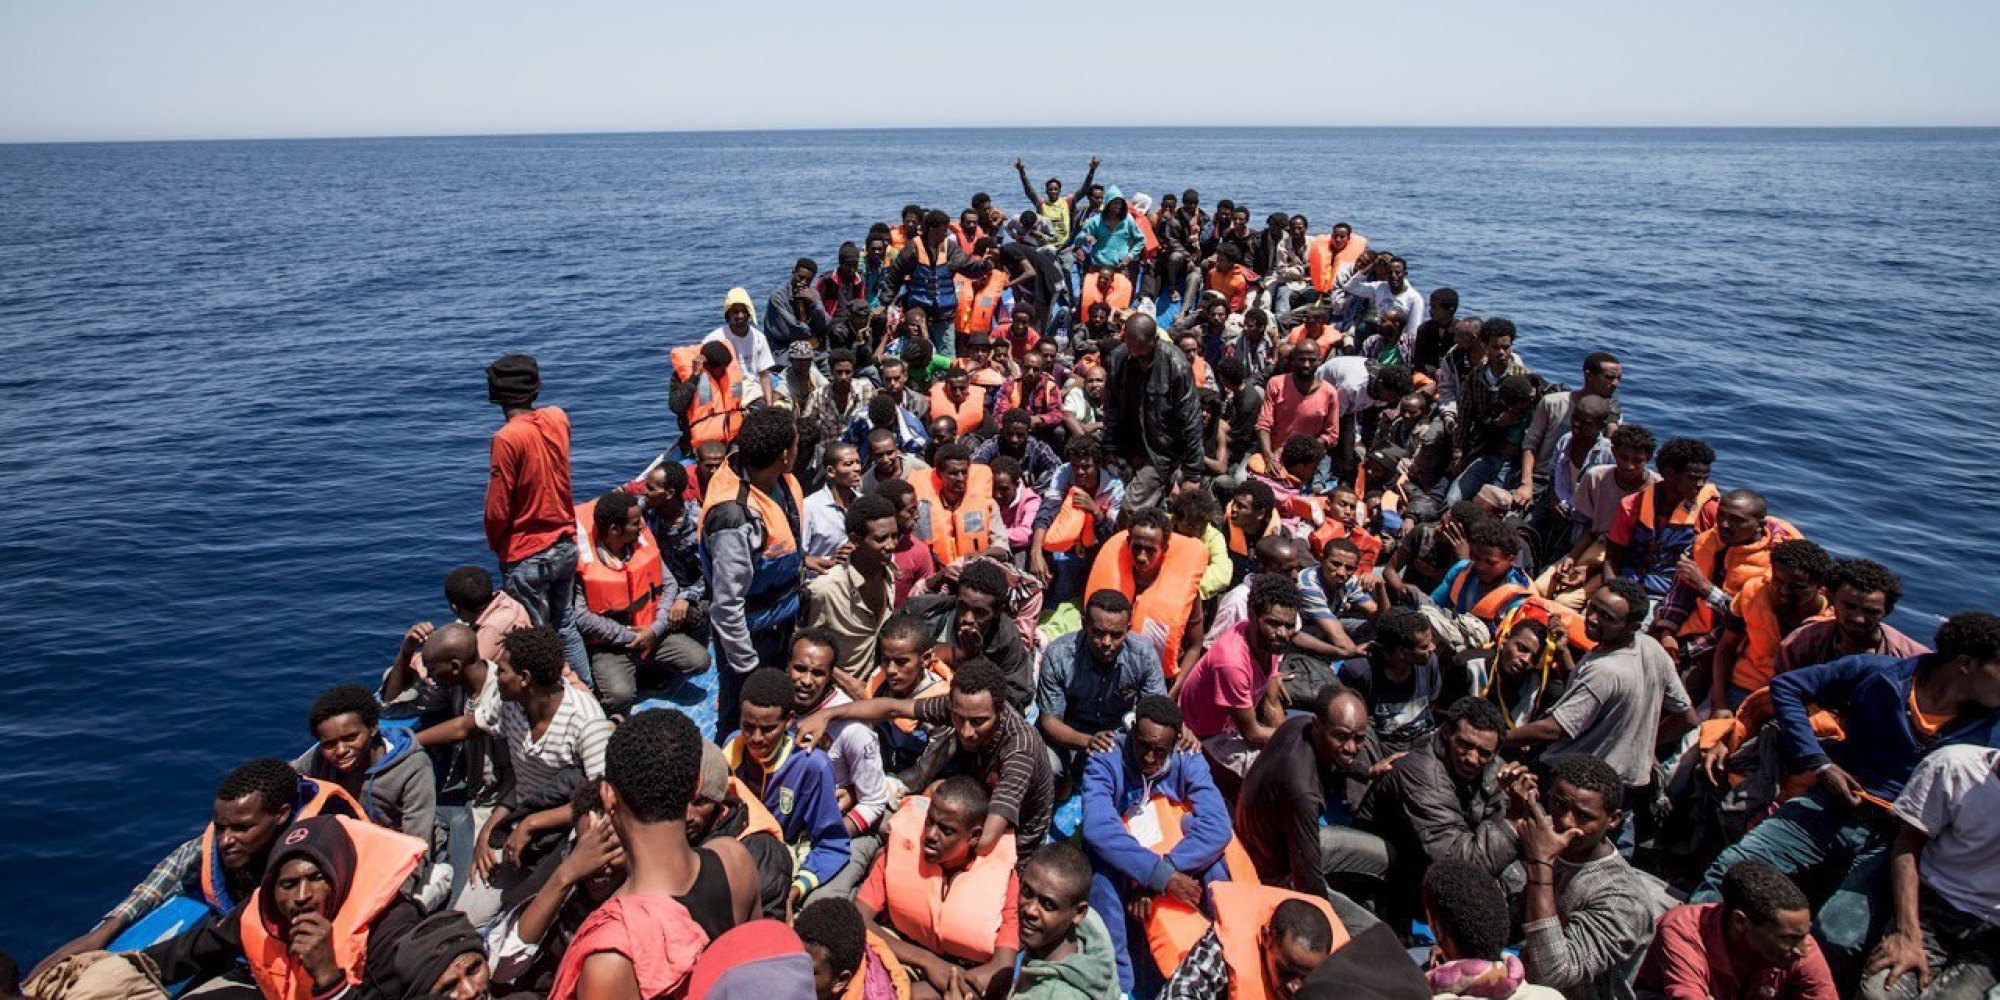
<point>956,533</point>
<point>383,861</point>
<point>1365,543</point>
<point>629,594</point>
<point>989,379</point>
<point>1162,610</point>
<point>1145,224</point>
<point>1118,294</point>
<point>760,818</point>
<point>716,413</point>
<point>1750,718</point>
<point>1071,527</point>
<point>962,919</point>
<point>898,239</point>
<point>1732,568</point>
<point>1232,285</point>
<point>966,238</point>
<point>773,594</point>
<point>1762,634</point>
<point>1324,265</point>
<point>1175,927</point>
<point>1324,336</point>
<point>1242,911</point>
<point>967,416</point>
<point>320,798</point>
<point>978,306</point>
<point>1200,366</point>
<point>1492,604</point>
<point>941,686</point>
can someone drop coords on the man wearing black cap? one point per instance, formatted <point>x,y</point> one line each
<point>530,521</point>
<point>794,312</point>
<point>845,282</point>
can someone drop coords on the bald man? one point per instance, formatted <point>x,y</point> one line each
<point>1316,766</point>
<point>1275,553</point>
<point>1152,415</point>
<point>1718,564</point>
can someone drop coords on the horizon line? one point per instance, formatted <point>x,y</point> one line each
<point>785,130</point>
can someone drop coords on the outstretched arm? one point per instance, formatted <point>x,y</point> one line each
<point>1027,188</point>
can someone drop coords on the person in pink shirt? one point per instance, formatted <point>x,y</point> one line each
<point>1227,697</point>
<point>1297,403</point>
<point>1018,505</point>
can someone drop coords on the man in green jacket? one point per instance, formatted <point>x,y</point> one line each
<point>1065,949</point>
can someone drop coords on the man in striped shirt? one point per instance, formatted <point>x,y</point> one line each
<point>555,734</point>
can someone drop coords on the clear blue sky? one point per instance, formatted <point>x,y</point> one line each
<point>163,69</point>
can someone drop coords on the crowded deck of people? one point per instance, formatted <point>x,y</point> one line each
<point>1111,596</point>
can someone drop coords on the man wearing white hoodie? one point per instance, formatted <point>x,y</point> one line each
<point>753,351</point>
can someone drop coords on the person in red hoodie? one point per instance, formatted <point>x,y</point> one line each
<point>530,521</point>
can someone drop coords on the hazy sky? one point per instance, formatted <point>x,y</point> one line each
<point>156,69</point>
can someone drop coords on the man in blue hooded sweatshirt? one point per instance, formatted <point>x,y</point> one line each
<point>1894,712</point>
<point>797,785</point>
<point>1117,786</point>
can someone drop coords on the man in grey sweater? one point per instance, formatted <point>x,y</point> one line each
<point>1588,914</point>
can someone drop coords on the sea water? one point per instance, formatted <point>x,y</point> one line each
<point>243,419</point>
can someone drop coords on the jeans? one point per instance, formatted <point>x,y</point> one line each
<point>617,676</point>
<point>1071,573</point>
<point>1291,295</point>
<point>1810,831</point>
<point>1481,471</point>
<point>944,335</point>
<point>545,584</point>
<point>1963,951</point>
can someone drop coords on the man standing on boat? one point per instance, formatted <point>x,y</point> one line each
<point>1152,417</point>
<point>752,531</point>
<point>530,521</point>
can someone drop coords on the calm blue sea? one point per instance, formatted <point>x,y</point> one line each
<point>243,423</point>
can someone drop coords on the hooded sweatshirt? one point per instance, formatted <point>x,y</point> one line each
<point>399,790</point>
<point>753,350</point>
<point>1088,973</point>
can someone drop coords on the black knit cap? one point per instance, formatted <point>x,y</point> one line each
<point>321,841</point>
<point>514,380</point>
<point>423,954</point>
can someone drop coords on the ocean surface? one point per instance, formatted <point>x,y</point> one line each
<point>243,419</point>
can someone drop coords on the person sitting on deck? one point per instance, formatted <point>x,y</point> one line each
<point>1066,951</point>
<point>383,769</point>
<point>324,923</point>
<point>987,738</point>
<point>1230,696</point>
<point>222,866</point>
<point>1861,593</point>
<point>1160,572</point>
<point>948,890</point>
<point>1155,828</point>
<point>1265,943</point>
<point>622,595</point>
<point>1587,913</point>
<point>796,783</point>
<point>1090,680</point>
<point>1756,942</point>
<point>1658,524</point>
<point>850,962</point>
